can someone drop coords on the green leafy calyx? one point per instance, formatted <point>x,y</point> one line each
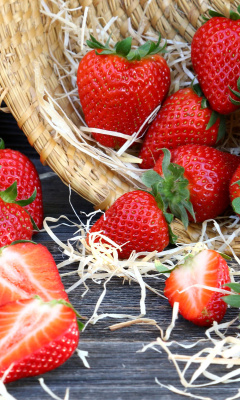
<point>214,115</point>
<point>9,195</point>
<point>237,94</point>
<point>171,189</point>
<point>236,201</point>
<point>233,300</point>
<point>232,15</point>
<point>124,48</point>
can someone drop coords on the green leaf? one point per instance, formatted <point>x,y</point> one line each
<point>2,144</point>
<point>235,92</point>
<point>196,88</point>
<point>176,170</point>
<point>234,286</point>
<point>35,227</point>
<point>95,44</point>
<point>30,200</point>
<point>212,120</point>
<point>234,183</point>
<point>150,177</point>
<point>225,256</point>
<point>188,205</point>
<point>232,300</point>
<point>204,103</point>
<point>234,16</point>
<point>161,268</point>
<point>166,162</point>
<point>9,195</point>
<point>235,102</point>
<point>221,128</point>
<point>80,325</point>
<point>123,47</point>
<point>183,216</point>
<point>170,190</point>
<point>236,205</point>
<point>172,236</point>
<point>213,13</point>
<point>168,217</point>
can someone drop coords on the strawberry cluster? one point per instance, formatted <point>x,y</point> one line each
<point>38,330</point>
<point>188,177</point>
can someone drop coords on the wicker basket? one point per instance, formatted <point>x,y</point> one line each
<point>28,39</point>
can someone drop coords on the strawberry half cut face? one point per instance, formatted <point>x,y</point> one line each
<point>192,285</point>
<point>35,337</point>
<point>28,269</point>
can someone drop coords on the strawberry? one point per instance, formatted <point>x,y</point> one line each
<point>120,87</point>
<point>195,183</point>
<point>234,189</point>
<point>27,269</point>
<point>184,118</point>
<point>199,304</point>
<point>15,166</point>
<point>35,337</point>
<point>136,222</point>
<point>215,54</point>
<point>15,222</point>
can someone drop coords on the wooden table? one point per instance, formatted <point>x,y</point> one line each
<point>118,371</point>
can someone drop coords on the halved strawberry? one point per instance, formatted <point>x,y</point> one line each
<point>200,305</point>
<point>35,337</point>
<point>28,269</point>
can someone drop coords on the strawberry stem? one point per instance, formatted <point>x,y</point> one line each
<point>124,48</point>
<point>170,190</point>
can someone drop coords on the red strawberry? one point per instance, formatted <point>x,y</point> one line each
<point>35,337</point>
<point>136,222</point>
<point>119,87</point>
<point>196,181</point>
<point>234,189</point>
<point>15,166</point>
<point>215,53</point>
<point>15,222</point>
<point>184,118</point>
<point>197,304</point>
<point>28,269</point>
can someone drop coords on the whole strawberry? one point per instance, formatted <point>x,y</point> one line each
<point>120,87</point>
<point>234,189</point>
<point>196,181</point>
<point>134,222</point>
<point>199,304</point>
<point>184,118</point>
<point>215,54</point>
<point>15,222</point>
<point>15,166</point>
